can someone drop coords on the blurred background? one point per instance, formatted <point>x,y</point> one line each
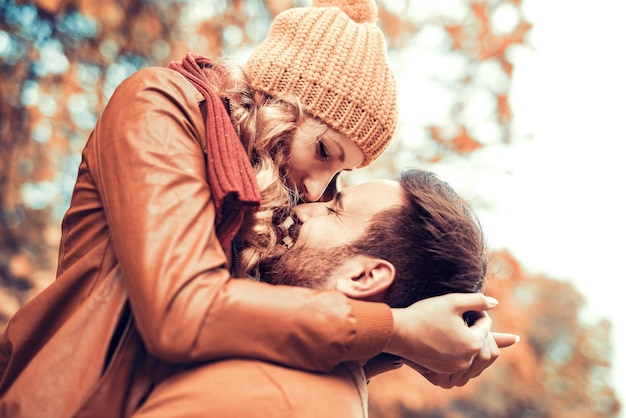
<point>518,104</point>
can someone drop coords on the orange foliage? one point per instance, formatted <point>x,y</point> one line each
<point>50,6</point>
<point>462,143</point>
<point>458,35</point>
<point>504,110</point>
<point>494,46</point>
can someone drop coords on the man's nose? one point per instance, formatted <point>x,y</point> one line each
<point>306,211</point>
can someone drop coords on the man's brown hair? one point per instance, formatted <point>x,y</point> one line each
<point>433,239</point>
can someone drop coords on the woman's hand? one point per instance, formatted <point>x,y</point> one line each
<point>433,336</point>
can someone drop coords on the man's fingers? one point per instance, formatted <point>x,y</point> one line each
<point>465,302</point>
<point>488,354</point>
<point>504,339</point>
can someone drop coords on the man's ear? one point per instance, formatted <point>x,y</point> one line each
<point>366,278</point>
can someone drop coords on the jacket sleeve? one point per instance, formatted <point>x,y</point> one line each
<point>146,157</point>
<point>5,354</point>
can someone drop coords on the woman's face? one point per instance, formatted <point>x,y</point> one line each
<point>317,153</point>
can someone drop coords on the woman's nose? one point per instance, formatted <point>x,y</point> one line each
<point>316,186</point>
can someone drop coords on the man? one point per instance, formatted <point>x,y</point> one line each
<point>381,241</point>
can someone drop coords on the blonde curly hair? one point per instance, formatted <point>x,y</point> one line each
<point>265,126</point>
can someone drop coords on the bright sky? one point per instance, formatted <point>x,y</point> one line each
<point>556,196</point>
<point>562,211</point>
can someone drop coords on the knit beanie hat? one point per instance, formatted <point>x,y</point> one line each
<point>333,57</point>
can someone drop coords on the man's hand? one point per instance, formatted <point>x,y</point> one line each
<point>488,354</point>
<point>434,335</point>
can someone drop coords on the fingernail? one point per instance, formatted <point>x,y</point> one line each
<point>492,301</point>
<point>517,338</point>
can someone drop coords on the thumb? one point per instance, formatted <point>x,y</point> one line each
<point>504,339</point>
<point>474,302</point>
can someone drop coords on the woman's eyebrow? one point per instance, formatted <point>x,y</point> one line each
<point>342,153</point>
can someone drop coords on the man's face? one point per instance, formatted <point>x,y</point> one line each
<point>321,250</point>
<point>342,220</point>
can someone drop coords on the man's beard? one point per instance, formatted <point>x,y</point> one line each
<point>303,266</point>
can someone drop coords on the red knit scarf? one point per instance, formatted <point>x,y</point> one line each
<point>229,171</point>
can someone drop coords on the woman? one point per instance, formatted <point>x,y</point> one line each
<point>168,194</point>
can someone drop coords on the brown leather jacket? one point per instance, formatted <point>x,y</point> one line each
<point>143,285</point>
<point>248,388</point>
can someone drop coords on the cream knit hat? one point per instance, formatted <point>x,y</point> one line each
<point>333,57</point>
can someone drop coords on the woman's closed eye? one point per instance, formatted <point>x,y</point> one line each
<point>322,151</point>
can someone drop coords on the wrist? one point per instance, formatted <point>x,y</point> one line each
<point>396,340</point>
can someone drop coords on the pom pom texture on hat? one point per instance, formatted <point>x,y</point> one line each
<point>360,11</point>
<point>334,59</point>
